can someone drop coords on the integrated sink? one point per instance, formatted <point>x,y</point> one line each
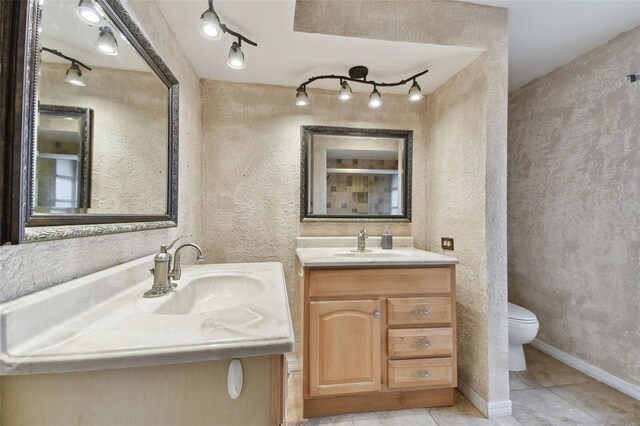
<point>371,255</point>
<point>208,292</point>
<point>102,321</point>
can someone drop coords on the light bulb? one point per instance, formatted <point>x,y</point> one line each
<point>236,57</point>
<point>74,75</point>
<point>210,25</point>
<point>375,100</point>
<point>415,94</point>
<point>301,97</point>
<point>88,12</point>
<point>345,91</point>
<point>107,42</point>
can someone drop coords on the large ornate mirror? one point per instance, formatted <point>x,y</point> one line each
<point>101,117</point>
<point>355,174</point>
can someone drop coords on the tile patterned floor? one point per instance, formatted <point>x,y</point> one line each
<point>547,393</point>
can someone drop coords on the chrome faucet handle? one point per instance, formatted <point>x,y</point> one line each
<point>164,248</point>
<point>363,233</point>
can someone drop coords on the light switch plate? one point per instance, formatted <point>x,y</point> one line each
<point>447,243</point>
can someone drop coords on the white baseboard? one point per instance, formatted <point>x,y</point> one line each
<point>294,364</point>
<point>590,370</point>
<point>490,410</point>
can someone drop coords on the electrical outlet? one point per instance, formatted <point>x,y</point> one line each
<point>447,243</point>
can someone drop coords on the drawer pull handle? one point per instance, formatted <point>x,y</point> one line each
<point>422,374</point>
<point>417,344</point>
<point>421,312</point>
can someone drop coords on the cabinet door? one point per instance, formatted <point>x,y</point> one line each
<point>344,347</point>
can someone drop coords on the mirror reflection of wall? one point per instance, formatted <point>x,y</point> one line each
<point>86,61</point>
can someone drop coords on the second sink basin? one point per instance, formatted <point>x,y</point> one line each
<point>370,254</point>
<point>206,293</point>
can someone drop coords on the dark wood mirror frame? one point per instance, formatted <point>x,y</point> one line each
<point>18,41</point>
<point>307,131</point>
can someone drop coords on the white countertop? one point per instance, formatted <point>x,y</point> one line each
<point>93,323</point>
<point>332,252</point>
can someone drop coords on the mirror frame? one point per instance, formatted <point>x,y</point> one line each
<point>18,222</point>
<point>306,132</point>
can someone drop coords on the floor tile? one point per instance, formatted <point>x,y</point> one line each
<point>517,382</point>
<point>327,421</point>
<point>417,417</point>
<point>542,407</point>
<point>547,371</point>
<point>601,402</point>
<point>464,413</point>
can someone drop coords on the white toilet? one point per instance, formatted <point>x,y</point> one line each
<point>523,328</point>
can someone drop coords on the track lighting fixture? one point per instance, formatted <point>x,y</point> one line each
<point>236,57</point>
<point>212,28</point>
<point>345,91</point>
<point>301,97</point>
<point>210,25</point>
<point>107,42</point>
<point>375,100</point>
<point>74,73</point>
<point>415,94</point>
<point>88,12</point>
<point>358,74</point>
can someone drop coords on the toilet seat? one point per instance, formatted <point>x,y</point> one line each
<point>519,314</point>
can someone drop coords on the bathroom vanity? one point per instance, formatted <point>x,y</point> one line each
<point>94,348</point>
<point>379,327</point>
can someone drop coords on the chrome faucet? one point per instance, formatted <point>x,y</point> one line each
<point>162,272</point>
<point>362,236</point>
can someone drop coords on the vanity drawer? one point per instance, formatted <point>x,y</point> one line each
<point>429,372</point>
<point>419,342</point>
<point>419,310</point>
<point>379,282</point>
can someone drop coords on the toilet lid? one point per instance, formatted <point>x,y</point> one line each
<point>519,313</point>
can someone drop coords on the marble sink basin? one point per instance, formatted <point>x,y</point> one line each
<point>370,254</point>
<point>207,292</point>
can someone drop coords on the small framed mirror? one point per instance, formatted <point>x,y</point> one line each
<point>351,174</point>
<point>63,160</point>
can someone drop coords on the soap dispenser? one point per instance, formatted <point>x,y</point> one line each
<point>387,239</point>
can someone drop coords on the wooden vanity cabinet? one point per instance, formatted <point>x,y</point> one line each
<point>378,339</point>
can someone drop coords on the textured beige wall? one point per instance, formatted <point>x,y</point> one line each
<point>29,267</point>
<point>574,203</point>
<point>456,199</point>
<point>129,149</point>
<point>173,395</point>
<point>483,365</point>
<point>251,170</point>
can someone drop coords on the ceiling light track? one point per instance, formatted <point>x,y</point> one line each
<point>212,28</point>
<point>358,74</point>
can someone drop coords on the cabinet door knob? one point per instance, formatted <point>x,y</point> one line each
<point>377,314</point>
